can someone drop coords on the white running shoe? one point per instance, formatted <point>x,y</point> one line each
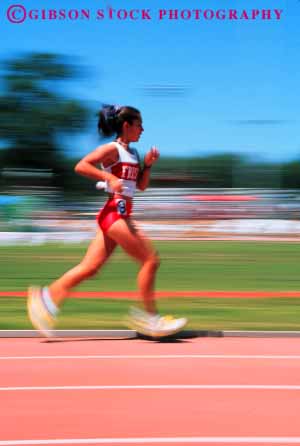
<point>155,325</point>
<point>41,318</point>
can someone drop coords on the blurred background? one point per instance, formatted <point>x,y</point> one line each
<point>219,98</point>
<point>41,198</point>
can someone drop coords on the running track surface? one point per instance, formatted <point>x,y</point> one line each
<point>220,391</point>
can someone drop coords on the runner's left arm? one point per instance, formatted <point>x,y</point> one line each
<point>150,158</point>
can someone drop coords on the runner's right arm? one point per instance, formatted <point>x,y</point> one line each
<point>106,154</point>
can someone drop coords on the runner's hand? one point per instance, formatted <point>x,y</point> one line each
<point>116,185</point>
<point>151,157</point>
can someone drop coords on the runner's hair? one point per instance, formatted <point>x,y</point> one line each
<point>112,118</point>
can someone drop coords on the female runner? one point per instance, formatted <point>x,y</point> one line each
<point>121,172</point>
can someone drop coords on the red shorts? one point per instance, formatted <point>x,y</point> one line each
<point>113,210</point>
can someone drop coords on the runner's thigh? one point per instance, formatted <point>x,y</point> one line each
<point>124,233</point>
<point>99,250</point>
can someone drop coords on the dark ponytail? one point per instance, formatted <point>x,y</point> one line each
<point>112,117</point>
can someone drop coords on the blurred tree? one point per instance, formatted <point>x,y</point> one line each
<point>33,114</point>
<point>291,175</point>
<point>206,171</point>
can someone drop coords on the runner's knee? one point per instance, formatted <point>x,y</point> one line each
<point>153,261</point>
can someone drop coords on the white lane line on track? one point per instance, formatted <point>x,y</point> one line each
<point>84,357</point>
<point>158,387</point>
<point>154,440</point>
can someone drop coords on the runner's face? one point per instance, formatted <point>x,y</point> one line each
<point>135,130</point>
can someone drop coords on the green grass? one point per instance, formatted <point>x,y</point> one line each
<point>224,266</point>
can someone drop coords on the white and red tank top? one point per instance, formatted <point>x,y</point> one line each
<point>126,168</point>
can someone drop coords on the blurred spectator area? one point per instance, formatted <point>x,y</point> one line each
<point>47,209</point>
